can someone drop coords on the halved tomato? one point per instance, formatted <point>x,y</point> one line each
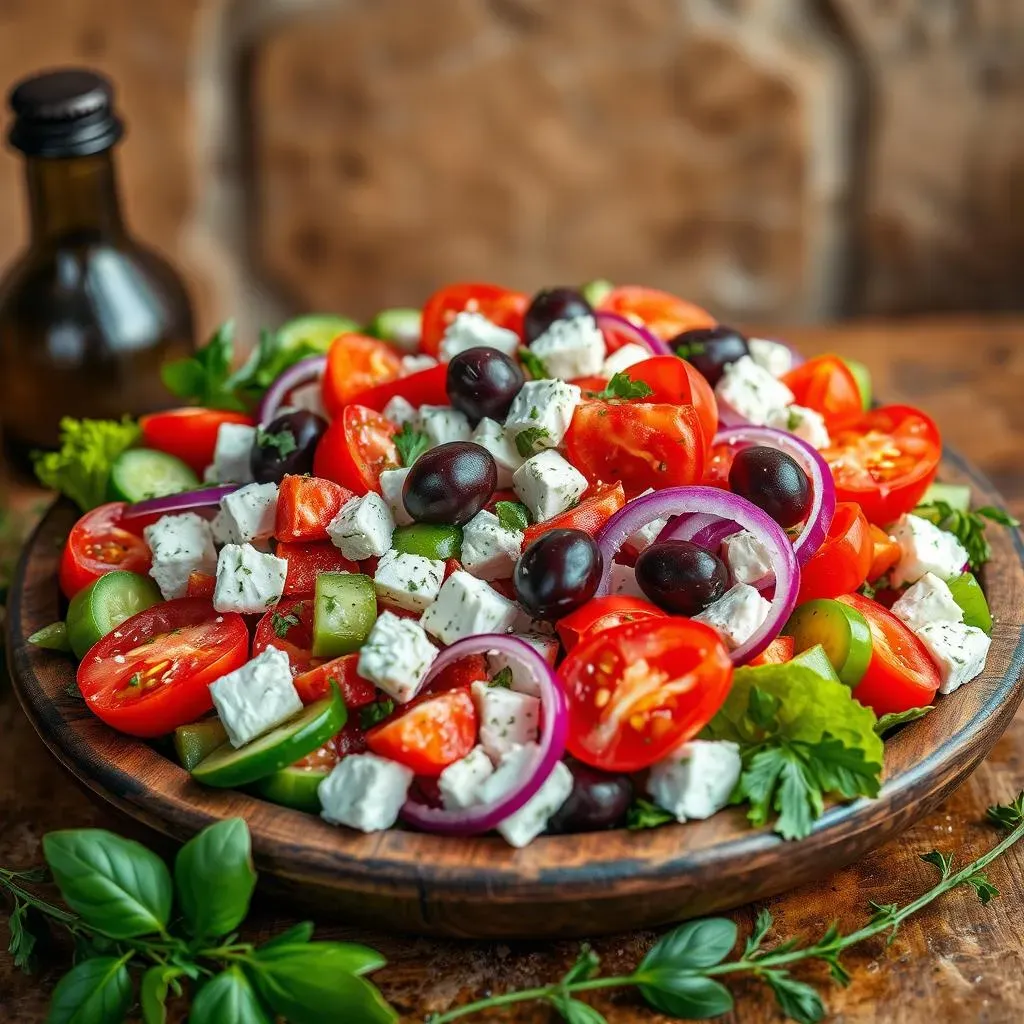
<point>153,672</point>
<point>189,434</point>
<point>842,562</point>
<point>306,505</point>
<point>603,613</point>
<point>675,380</point>
<point>826,385</point>
<point>289,628</point>
<point>429,734</point>
<point>501,306</point>
<point>460,675</point>
<point>637,691</point>
<point>315,682</point>
<point>355,363</point>
<point>593,511</point>
<point>97,545</point>
<point>664,315</point>
<point>356,449</point>
<point>428,387</point>
<point>307,561</point>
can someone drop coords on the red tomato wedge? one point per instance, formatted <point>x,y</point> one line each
<point>843,561</point>
<point>200,584</point>
<point>779,651</point>
<point>603,613</point>
<point>355,363</point>
<point>316,682</point>
<point>189,434</point>
<point>885,459</point>
<point>826,385</point>
<point>97,545</point>
<point>675,380</point>
<point>153,672</point>
<point>664,315</point>
<point>429,734</point>
<point>356,449</point>
<point>500,305</point>
<point>595,509</point>
<point>460,675</point>
<point>428,387</point>
<point>900,675</point>
<point>307,561</point>
<point>289,627</point>
<point>305,507</point>
<point>637,691</point>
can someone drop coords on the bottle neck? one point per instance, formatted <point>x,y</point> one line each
<point>73,198</point>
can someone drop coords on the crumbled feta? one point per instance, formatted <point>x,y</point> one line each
<point>248,580</point>
<point>472,330</point>
<point>646,535</point>
<point>623,581</point>
<point>489,551</point>
<point>571,348</point>
<point>752,391</point>
<point>696,780</point>
<point>416,364</point>
<point>397,656</point>
<point>364,792</point>
<point>925,548</point>
<point>490,434</point>
<point>442,423</point>
<point>928,600</point>
<point>231,455</point>
<point>737,615</point>
<point>246,515</point>
<point>256,698</point>
<point>807,424</point>
<point>545,646</point>
<point>459,784</point>
<point>180,546</point>
<point>545,406</point>
<point>507,718</point>
<point>747,558</point>
<point>465,607</point>
<point>548,484</point>
<point>623,358</point>
<point>392,483</point>
<point>400,411</point>
<point>958,651</point>
<point>772,356</point>
<point>310,398</point>
<point>363,527</point>
<point>406,581</point>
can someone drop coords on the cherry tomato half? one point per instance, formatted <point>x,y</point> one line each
<point>501,306</point>
<point>97,545</point>
<point>429,734</point>
<point>153,672</point>
<point>188,434</point>
<point>842,562</point>
<point>603,613</point>
<point>593,511</point>
<point>662,314</point>
<point>356,449</point>
<point>289,628</point>
<point>355,363</point>
<point>315,682</point>
<point>826,385</point>
<point>675,380</point>
<point>637,691</point>
<point>306,505</point>
<point>428,387</point>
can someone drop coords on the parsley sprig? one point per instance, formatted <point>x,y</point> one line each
<point>967,527</point>
<point>283,440</point>
<point>528,439</point>
<point>533,364</point>
<point>623,386</point>
<point>411,443</point>
<point>512,515</point>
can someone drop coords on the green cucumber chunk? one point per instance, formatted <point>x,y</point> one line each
<point>313,332</point>
<point>102,606</point>
<point>817,661</point>
<point>957,496</point>
<point>841,630</point>
<point>430,540</point>
<point>344,611</point>
<point>142,473</point>
<point>862,375</point>
<point>193,743</point>
<point>310,728</point>
<point>53,637</point>
<point>293,787</point>
<point>596,291</point>
<point>401,327</point>
<point>967,593</point>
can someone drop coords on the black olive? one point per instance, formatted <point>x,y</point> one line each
<point>483,382</point>
<point>553,304</point>
<point>681,577</point>
<point>450,483</point>
<point>598,800</point>
<point>710,349</point>
<point>774,481</point>
<point>286,446</point>
<point>558,572</point>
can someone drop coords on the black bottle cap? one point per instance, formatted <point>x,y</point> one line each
<point>63,113</point>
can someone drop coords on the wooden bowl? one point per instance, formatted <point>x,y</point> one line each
<point>560,885</point>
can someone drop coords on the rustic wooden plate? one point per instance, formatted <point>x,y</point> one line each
<point>560,885</point>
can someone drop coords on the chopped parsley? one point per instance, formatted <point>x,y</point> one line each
<point>526,440</point>
<point>512,515</point>
<point>623,386</point>
<point>503,679</point>
<point>375,713</point>
<point>282,623</point>
<point>283,440</point>
<point>411,444</point>
<point>645,814</point>
<point>534,364</point>
<point>135,680</point>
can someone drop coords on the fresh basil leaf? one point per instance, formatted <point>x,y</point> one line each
<point>156,983</point>
<point>115,884</point>
<point>645,814</point>
<point>689,996</point>
<point>691,946</point>
<point>512,515</point>
<point>796,999</point>
<point>897,718</point>
<point>339,957</point>
<point>97,991</point>
<point>294,936</point>
<point>228,997</point>
<point>586,967</point>
<point>411,443</point>
<point>214,878</point>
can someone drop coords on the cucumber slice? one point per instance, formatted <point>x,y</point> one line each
<point>841,630</point>
<point>957,496</point>
<point>194,742</point>
<point>314,331</point>
<point>402,327</point>
<point>105,604</point>
<point>595,291</point>
<point>429,540</point>
<point>344,611</point>
<point>967,593</point>
<point>817,661</point>
<point>310,728</point>
<point>293,787</point>
<point>142,473</point>
<point>862,375</point>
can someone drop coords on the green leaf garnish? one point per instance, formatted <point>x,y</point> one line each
<point>512,515</point>
<point>645,814</point>
<point>623,386</point>
<point>526,440</point>
<point>282,440</point>
<point>533,364</point>
<point>967,527</point>
<point>502,679</point>
<point>894,719</point>
<point>411,443</point>
<point>204,378</point>
<point>374,713</point>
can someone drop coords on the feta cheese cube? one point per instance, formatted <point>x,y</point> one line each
<point>548,484</point>
<point>571,348</point>
<point>507,718</point>
<point>489,551</point>
<point>545,646</point>
<point>309,397</point>
<point>928,600</point>
<point>623,358</point>
<point>737,614</point>
<point>248,580</point>
<point>959,651</point>
<point>392,482</point>
<point>752,391</point>
<point>748,559</point>
<point>363,527</point>
<point>472,330</point>
<point>400,411</point>
<point>646,535</point>
<point>465,607</point>
<point>406,581</point>
<point>246,515</point>
<point>364,792</point>
<point>543,405</point>
<point>442,423</point>
<point>696,780</point>
<point>180,546</point>
<point>925,548</point>
<point>490,434</point>
<point>459,784</point>
<point>772,356</point>
<point>416,364</point>
<point>231,455</point>
<point>623,582</point>
<point>397,656</point>
<point>256,698</point>
<point>806,424</point>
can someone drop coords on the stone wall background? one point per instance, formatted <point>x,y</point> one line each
<point>776,160</point>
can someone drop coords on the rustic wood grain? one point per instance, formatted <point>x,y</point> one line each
<point>955,962</point>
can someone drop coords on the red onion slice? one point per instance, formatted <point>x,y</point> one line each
<point>305,371</point>
<point>723,505</point>
<point>175,504</point>
<point>628,333</point>
<point>551,745</point>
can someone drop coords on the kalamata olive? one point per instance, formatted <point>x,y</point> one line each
<point>450,483</point>
<point>558,572</point>
<point>710,349</point>
<point>681,577</point>
<point>772,480</point>
<point>598,800</point>
<point>286,445</point>
<point>551,304</point>
<point>482,382</point>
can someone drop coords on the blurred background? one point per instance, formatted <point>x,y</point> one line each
<point>774,160</point>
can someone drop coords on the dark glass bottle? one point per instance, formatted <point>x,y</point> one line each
<point>87,314</point>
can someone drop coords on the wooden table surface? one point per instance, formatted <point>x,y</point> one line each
<point>956,961</point>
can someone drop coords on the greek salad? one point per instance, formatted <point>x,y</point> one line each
<point>559,563</point>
